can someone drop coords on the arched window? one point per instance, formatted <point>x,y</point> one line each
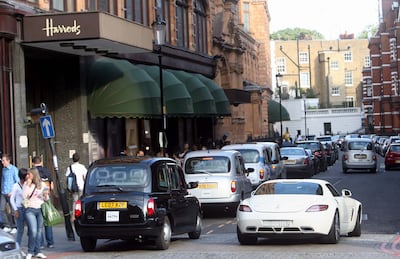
<point>200,26</point>
<point>182,23</point>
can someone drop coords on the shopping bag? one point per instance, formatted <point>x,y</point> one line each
<point>51,216</point>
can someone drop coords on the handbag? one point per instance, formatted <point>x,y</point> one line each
<point>72,185</point>
<point>51,216</point>
<point>26,202</point>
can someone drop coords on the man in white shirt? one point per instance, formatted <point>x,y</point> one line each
<point>80,172</point>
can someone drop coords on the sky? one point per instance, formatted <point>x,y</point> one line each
<point>329,17</point>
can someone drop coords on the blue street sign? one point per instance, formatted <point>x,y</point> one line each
<point>47,126</point>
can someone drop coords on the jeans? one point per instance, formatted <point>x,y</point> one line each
<point>6,218</point>
<point>34,220</point>
<point>20,224</point>
<point>48,232</point>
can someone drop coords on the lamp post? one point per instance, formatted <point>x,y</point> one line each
<point>277,76</point>
<point>159,27</point>
<point>305,115</point>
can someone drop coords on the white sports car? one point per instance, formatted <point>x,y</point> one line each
<point>298,208</point>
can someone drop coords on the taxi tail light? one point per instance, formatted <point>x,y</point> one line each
<point>233,186</point>
<point>316,208</point>
<point>244,208</point>
<point>151,207</point>
<point>78,209</point>
<point>374,157</point>
<point>345,157</point>
<point>262,173</point>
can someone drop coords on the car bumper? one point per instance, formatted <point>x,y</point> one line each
<point>284,224</point>
<point>371,165</point>
<point>118,231</point>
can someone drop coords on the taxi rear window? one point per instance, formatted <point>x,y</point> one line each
<point>207,164</point>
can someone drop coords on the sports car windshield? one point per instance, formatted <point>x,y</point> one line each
<point>123,176</point>
<point>300,188</point>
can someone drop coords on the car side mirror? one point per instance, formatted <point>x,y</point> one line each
<point>193,185</point>
<point>346,193</point>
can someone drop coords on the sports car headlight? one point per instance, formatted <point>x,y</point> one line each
<point>316,208</point>
<point>244,208</point>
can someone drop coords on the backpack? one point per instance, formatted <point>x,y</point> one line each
<point>72,186</point>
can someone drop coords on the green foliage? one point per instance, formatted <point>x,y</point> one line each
<point>296,33</point>
<point>368,32</point>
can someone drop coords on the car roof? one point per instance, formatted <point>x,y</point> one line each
<point>243,146</point>
<point>359,139</point>
<point>319,181</point>
<point>211,152</point>
<point>146,160</point>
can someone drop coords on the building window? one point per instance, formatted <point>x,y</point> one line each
<point>200,26</point>
<point>57,5</point>
<point>162,10</point>
<point>348,56</point>
<point>393,52</point>
<point>395,84</point>
<point>348,78</point>
<point>349,101</point>
<point>281,65</point>
<point>182,26</point>
<point>137,10</point>
<point>367,61</point>
<point>335,91</point>
<point>369,90</point>
<point>246,16</point>
<point>304,79</point>
<point>334,64</point>
<point>303,58</point>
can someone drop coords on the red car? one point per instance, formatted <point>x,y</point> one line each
<point>392,156</point>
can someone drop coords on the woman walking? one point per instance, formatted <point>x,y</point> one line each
<point>35,192</point>
<point>16,204</point>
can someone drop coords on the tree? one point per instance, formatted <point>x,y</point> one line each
<point>296,34</point>
<point>368,32</point>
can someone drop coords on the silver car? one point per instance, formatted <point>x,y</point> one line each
<point>9,247</point>
<point>359,154</point>
<point>221,177</point>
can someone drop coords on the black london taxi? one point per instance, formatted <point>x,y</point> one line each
<point>129,198</point>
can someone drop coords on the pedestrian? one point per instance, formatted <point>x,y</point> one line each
<point>80,172</point>
<point>46,177</point>
<point>16,204</point>
<point>35,192</point>
<point>8,179</point>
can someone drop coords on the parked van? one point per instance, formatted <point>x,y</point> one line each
<point>278,167</point>
<point>221,177</point>
<point>257,160</point>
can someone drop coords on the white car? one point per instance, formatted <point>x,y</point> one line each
<point>298,208</point>
<point>9,248</point>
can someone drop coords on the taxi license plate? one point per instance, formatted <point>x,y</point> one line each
<point>208,185</point>
<point>112,205</point>
<point>360,156</point>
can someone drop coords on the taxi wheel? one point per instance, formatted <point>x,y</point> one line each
<point>164,239</point>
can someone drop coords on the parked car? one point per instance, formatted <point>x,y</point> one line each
<point>221,176</point>
<point>318,151</point>
<point>358,154</point>
<point>138,199</point>
<point>298,208</point>
<point>278,167</point>
<point>9,247</point>
<point>257,160</point>
<point>387,143</point>
<point>299,163</point>
<point>392,156</point>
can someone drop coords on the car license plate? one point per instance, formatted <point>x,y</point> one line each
<point>208,185</point>
<point>112,205</point>
<point>277,223</point>
<point>397,161</point>
<point>290,162</point>
<point>360,156</point>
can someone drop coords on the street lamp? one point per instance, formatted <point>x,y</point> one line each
<point>305,115</point>
<point>159,27</point>
<point>280,104</point>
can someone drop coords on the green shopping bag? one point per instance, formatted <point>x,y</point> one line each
<point>51,216</point>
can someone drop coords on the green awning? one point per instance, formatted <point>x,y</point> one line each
<point>274,112</point>
<point>118,88</point>
<point>203,101</point>
<point>221,101</point>
<point>178,101</point>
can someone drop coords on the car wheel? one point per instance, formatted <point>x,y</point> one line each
<point>197,232</point>
<point>88,244</point>
<point>244,239</point>
<point>334,233</point>
<point>357,228</point>
<point>164,239</point>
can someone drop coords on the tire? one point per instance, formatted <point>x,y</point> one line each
<point>357,228</point>
<point>244,239</point>
<point>163,241</point>
<point>88,244</point>
<point>197,232</point>
<point>333,236</point>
